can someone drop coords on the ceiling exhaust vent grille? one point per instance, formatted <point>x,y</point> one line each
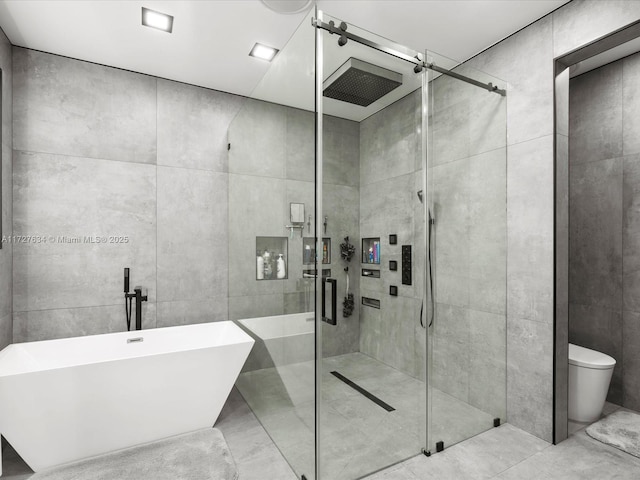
<point>360,83</point>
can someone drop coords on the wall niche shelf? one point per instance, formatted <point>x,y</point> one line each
<point>268,251</point>
<point>371,273</point>
<point>309,251</point>
<point>371,250</point>
<point>371,302</point>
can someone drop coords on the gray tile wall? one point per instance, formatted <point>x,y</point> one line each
<point>99,151</point>
<point>272,164</point>
<point>525,60</point>
<point>6,253</point>
<point>604,187</point>
<point>389,162</point>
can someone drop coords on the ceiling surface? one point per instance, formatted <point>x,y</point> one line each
<point>211,39</point>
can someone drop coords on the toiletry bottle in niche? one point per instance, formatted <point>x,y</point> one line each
<point>268,269</point>
<point>307,254</point>
<point>325,253</point>
<point>280,267</point>
<point>259,266</point>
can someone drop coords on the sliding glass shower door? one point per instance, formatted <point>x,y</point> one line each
<point>371,351</point>
<point>468,244</point>
<point>367,251</point>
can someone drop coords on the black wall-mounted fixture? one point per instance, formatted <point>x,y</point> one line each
<point>139,297</point>
<point>393,290</point>
<point>393,265</point>
<point>393,239</point>
<point>406,264</point>
<point>333,319</point>
<point>439,446</point>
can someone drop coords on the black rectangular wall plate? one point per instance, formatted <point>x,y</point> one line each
<point>406,265</point>
<point>371,302</point>
<point>393,265</point>
<point>393,239</point>
<point>393,290</point>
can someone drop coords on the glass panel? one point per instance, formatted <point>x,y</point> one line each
<point>372,405</point>
<point>467,200</point>
<point>271,282</point>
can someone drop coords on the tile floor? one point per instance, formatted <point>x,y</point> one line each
<point>504,453</point>
<point>357,435</point>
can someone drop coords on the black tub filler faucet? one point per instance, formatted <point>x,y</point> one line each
<point>138,295</point>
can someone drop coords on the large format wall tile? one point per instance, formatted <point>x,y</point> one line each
<point>76,322</point>
<point>6,331</point>
<point>530,230</point>
<point>488,231</point>
<point>69,107</point>
<point>192,125</point>
<point>188,312</point>
<point>631,233</point>
<point>450,357</point>
<point>252,306</point>
<point>341,152</point>
<point>386,207</point>
<point>530,376</point>
<point>300,145</point>
<point>595,233</point>
<point>631,362</point>
<point>631,104</point>
<point>6,259</point>
<point>257,136</point>
<point>256,209</point>
<point>75,197</point>
<point>390,141</point>
<point>595,123</point>
<point>525,61</point>
<point>450,234</point>
<point>192,234</point>
<point>582,21</point>
<point>451,134</point>
<point>488,358</point>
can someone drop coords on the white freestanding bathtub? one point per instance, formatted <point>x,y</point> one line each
<point>64,400</point>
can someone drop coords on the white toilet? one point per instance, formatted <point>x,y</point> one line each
<point>589,377</point>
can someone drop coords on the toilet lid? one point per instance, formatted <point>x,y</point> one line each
<point>585,357</point>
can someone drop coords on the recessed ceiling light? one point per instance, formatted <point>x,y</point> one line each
<point>263,52</point>
<point>153,19</point>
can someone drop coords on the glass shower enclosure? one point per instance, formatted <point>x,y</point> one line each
<point>367,250</point>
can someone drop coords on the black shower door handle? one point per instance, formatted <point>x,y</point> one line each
<point>334,292</point>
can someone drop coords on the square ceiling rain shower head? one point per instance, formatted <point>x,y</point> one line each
<point>360,82</point>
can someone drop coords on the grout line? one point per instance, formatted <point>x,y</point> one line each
<point>82,157</point>
<point>156,239</point>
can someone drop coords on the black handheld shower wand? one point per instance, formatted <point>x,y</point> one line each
<point>127,296</point>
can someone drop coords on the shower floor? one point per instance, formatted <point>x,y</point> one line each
<point>358,436</point>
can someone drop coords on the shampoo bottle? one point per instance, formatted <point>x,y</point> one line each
<point>280,267</point>
<point>259,266</point>
<point>268,269</point>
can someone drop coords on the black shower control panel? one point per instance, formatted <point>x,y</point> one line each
<point>406,264</point>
